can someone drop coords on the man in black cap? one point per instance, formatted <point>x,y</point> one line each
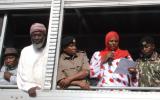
<point>148,64</point>
<point>73,65</point>
<point>9,69</point>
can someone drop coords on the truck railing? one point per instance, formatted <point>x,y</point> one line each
<point>155,89</point>
<point>116,88</point>
<point>8,87</point>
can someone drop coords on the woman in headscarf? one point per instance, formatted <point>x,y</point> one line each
<point>104,63</point>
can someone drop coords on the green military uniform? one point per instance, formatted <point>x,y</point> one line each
<point>71,65</point>
<point>149,71</point>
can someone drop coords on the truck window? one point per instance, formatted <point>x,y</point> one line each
<point>17,29</point>
<point>89,26</point>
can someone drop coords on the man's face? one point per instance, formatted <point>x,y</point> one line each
<point>148,49</point>
<point>38,39</point>
<point>10,61</point>
<point>70,49</point>
<point>113,43</point>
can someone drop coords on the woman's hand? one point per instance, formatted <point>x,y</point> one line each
<point>108,56</point>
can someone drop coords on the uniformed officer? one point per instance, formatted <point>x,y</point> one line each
<point>73,65</point>
<point>148,64</point>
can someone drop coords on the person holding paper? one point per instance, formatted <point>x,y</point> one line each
<point>148,63</point>
<point>104,63</point>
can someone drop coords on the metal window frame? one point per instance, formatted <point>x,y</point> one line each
<point>53,43</point>
<point>5,19</point>
<point>39,4</point>
<point>100,3</point>
<point>107,3</point>
<point>68,4</point>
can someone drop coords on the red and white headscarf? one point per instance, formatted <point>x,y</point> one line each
<point>118,53</point>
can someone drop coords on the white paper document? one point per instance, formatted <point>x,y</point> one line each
<point>123,66</point>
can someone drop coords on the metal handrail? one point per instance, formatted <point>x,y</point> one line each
<point>96,88</point>
<point>8,87</point>
<point>116,88</point>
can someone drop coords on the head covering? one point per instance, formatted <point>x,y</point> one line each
<point>37,27</point>
<point>10,51</point>
<point>110,35</point>
<point>118,53</point>
<point>146,40</point>
<point>67,40</point>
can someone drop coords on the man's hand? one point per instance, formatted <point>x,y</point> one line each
<point>84,85</point>
<point>7,76</point>
<point>32,92</point>
<point>64,83</point>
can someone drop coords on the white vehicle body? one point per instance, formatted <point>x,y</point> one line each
<point>53,42</point>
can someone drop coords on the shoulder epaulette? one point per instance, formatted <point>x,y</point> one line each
<point>81,51</point>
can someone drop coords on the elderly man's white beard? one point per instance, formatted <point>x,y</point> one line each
<point>39,45</point>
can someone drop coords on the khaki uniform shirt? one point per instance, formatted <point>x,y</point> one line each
<point>149,71</point>
<point>71,65</point>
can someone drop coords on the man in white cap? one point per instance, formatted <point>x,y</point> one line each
<point>32,62</point>
<point>8,71</point>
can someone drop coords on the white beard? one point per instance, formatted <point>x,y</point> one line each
<point>39,45</point>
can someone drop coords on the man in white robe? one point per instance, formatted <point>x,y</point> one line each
<point>32,62</point>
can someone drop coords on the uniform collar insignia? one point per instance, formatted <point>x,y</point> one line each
<point>69,57</point>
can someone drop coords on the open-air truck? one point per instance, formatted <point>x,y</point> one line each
<point>88,21</point>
